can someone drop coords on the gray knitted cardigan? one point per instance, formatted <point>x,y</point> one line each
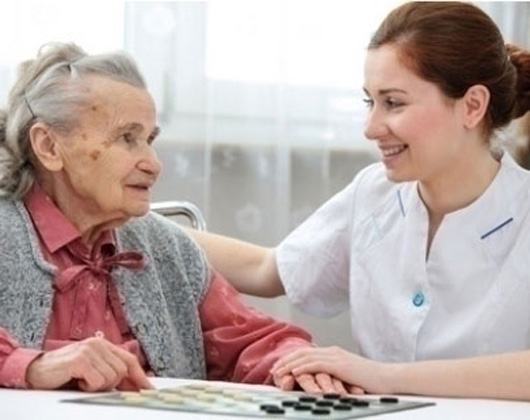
<point>160,302</point>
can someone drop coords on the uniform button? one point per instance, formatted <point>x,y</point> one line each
<point>418,299</point>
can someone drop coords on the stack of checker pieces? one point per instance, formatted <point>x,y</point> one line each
<point>230,401</point>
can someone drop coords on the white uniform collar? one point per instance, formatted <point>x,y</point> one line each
<point>495,208</point>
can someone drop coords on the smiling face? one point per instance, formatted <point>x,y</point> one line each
<point>108,164</point>
<point>416,127</point>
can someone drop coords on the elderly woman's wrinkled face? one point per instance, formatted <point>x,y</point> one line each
<point>109,163</point>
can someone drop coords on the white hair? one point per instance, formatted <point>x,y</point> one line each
<point>49,89</point>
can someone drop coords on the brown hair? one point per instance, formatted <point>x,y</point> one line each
<point>456,45</point>
<point>521,150</point>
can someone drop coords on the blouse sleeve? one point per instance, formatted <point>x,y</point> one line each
<point>14,361</point>
<point>241,344</point>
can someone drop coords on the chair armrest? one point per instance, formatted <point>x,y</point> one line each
<point>181,208</point>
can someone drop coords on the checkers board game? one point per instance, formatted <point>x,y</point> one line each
<point>218,399</point>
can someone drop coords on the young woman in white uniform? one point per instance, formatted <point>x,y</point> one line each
<point>429,249</point>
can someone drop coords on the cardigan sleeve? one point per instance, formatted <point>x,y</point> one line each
<point>241,344</point>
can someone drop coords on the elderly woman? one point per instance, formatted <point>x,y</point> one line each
<point>94,290</point>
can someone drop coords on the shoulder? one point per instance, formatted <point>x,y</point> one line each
<point>7,208</point>
<point>19,241</point>
<point>369,191</point>
<point>515,175</point>
<point>372,181</point>
<point>372,190</point>
<point>369,183</point>
<point>166,244</point>
<point>511,190</point>
<point>152,225</point>
<point>13,218</point>
<point>158,233</point>
<point>9,222</point>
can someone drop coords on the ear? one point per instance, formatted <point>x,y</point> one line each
<point>475,105</point>
<point>45,146</point>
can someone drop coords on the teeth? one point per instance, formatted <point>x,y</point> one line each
<point>390,151</point>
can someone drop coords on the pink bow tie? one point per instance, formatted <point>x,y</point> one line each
<point>103,265</point>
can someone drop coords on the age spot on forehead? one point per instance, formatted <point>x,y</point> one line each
<point>94,108</point>
<point>94,154</point>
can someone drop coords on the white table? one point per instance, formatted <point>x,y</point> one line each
<point>46,405</point>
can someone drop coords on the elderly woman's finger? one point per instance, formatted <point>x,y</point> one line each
<point>287,383</point>
<point>308,384</point>
<point>135,374</point>
<point>90,380</point>
<point>357,390</point>
<point>324,382</point>
<point>339,386</point>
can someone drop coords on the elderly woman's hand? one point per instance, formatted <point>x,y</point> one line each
<point>97,365</point>
<point>313,383</point>
<point>362,374</point>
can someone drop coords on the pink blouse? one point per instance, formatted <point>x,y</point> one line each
<point>240,343</point>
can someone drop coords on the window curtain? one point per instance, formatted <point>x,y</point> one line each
<point>260,102</point>
<point>255,130</point>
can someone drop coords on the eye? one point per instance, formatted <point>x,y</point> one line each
<point>368,102</point>
<point>391,103</point>
<point>128,138</point>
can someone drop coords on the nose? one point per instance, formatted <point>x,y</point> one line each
<point>149,162</point>
<point>375,127</point>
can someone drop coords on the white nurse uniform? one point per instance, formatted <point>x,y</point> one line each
<point>365,250</point>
